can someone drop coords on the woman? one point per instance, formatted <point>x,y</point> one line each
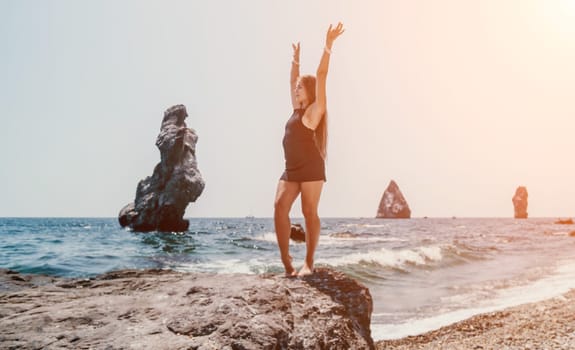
<point>305,150</point>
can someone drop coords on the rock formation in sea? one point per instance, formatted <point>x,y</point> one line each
<point>297,233</point>
<point>161,199</point>
<point>162,309</point>
<point>567,221</point>
<point>393,205</point>
<point>520,202</point>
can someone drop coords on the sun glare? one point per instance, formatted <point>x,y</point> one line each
<point>568,4</point>
<point>561,15</point>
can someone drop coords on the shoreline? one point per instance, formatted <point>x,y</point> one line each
<point>546,324</point>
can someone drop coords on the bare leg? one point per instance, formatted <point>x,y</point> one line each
<point>310,194</point>
<point>286,194</point>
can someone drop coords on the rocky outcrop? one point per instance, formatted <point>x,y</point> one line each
<point>160,309</point>
<point>567,221</point>
<point>520,202</point>
<point>161,199</point>
<point>393,205</point>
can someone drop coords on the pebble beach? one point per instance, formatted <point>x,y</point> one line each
<point>548,324</point>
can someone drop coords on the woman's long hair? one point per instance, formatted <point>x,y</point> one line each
<point>308,83</point>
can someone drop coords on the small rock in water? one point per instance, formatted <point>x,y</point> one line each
<point>297,233</point>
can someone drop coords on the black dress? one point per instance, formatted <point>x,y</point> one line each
<point>303,159</point>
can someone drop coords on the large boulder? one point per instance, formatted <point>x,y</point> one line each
<point>162,309</point>
<point>161,199</point>
<point>393,205</point>
<point>520,202</point>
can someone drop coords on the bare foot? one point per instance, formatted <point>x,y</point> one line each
<point>306,270</point>
<point>290,271</point>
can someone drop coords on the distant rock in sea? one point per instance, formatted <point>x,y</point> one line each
<point>564,221</point>
<point>393,205</point>
<point>162,309</point>
<point>161,199</point>
<point>520,202</point>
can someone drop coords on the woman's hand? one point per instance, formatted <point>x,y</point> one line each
<point>295,52</point>
<point>332,34</point>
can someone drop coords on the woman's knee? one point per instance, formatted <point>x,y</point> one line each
<point>285,196</point>
<point>281,207</point>
<point>309,212</point>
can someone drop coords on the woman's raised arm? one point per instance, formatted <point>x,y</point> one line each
<point>319,107</point>
<point>294,74</point>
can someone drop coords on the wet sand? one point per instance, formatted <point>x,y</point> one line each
<point>548,324</point>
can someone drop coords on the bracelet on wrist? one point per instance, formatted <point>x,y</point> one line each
<point>327,50</point>
<point>295,62</point>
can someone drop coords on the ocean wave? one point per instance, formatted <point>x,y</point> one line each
<point>558,233</point>
<point>468,251</point>
<point>367,225</point>
<point>44,269</point>
<point>266,237</point>
<point>429,255</point>
<point>391,258</point>
<point>335,238</point>
<point>511,239</point>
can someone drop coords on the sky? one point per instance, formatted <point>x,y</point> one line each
<point>458,101</point>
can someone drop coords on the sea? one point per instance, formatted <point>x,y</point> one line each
<point>422,273</point>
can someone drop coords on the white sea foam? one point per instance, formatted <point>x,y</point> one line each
<point>328,239</point>
<point>357,225</point>
<point>266,237</point>
<point>224,266</point>
<point>390,258</point>
<point>552,286</point>
<point>374,225</point>
<point>342,240</point>
<point>558,233</point>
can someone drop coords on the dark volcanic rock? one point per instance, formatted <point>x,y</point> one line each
<point>520,202</point>
<point>297,233</point>
<point>159,309</point>
<point>393,205</point>
<point>161,199</point>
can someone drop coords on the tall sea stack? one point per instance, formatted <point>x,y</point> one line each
<point>161,199</point>
<point>393,205</point>
<point>520,202</point>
